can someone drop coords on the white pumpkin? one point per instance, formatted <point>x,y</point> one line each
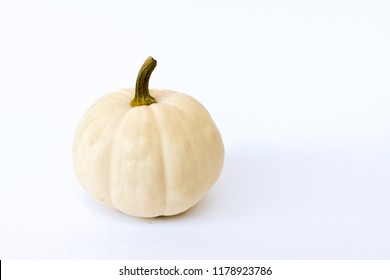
<point>158,156</point>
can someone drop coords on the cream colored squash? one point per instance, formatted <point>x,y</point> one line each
<point>158,156</point>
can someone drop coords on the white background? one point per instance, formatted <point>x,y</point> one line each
<point>300,91</point>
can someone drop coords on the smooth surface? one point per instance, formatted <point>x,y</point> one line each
<point>300,91</point>
<point>147,161</point>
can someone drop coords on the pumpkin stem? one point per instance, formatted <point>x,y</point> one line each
<point>142,95</point>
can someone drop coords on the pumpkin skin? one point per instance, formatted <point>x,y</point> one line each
<point>147,161</point>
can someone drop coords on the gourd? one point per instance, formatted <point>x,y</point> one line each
<point>147,153</point>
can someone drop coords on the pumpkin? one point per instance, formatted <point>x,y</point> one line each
<point>147,153</point>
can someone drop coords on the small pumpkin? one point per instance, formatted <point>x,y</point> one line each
<point>147,153</point>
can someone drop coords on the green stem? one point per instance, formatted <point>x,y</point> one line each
<point>142,95</point>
